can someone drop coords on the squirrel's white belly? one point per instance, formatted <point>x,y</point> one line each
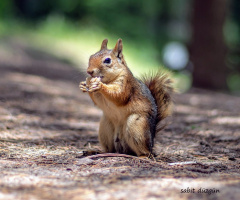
<point>117,115</point>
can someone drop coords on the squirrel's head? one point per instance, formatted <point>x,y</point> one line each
<point>107,64</point>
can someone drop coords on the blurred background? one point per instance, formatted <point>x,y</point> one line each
<point>198,40</point>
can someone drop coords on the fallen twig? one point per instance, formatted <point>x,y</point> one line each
<point>183,163</point>
<point>123,155</point>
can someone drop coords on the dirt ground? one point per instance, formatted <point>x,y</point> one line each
<point>47,124</point>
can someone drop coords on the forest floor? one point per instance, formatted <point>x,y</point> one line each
<point>46,125</point>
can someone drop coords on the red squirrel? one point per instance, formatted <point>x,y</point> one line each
<point>131,108</point>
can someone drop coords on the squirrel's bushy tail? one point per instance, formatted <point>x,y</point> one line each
<point>161,88</point>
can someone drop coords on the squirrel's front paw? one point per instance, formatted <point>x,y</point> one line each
<point>95,84</point>
<point>83,86</point>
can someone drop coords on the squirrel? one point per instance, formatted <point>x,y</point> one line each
<point>132,108</point>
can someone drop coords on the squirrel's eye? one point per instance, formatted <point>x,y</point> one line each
<point>107,61</point>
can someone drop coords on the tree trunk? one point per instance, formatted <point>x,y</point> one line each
<point>208,50</point>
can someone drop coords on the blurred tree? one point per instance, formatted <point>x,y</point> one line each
<point>208,49</point>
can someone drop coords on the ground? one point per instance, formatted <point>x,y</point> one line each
<point>47,124</point>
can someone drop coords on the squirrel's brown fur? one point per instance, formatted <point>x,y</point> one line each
<point>161,89</point>
<point>131,108</point>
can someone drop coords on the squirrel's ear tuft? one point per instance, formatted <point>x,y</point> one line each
<point>118,49</point>
<point>104,44</point>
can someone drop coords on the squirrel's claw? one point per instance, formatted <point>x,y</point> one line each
<point>83,86</point>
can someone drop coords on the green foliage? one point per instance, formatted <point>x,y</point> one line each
<point>6,8</point>
<point>127,17</point>
<point>234,83</point>
<point>144,20</point>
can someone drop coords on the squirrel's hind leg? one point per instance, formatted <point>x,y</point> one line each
<point>137,134</point>
<point>106,135</point>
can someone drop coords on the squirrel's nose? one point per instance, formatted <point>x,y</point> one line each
<point>90,72</point>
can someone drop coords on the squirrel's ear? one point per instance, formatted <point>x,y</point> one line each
<point>104,44</point>
<point>118,49</point>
